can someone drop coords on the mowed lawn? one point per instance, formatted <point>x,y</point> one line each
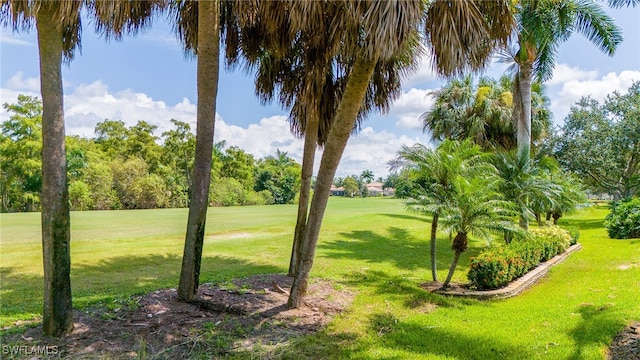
<point>371,246</point>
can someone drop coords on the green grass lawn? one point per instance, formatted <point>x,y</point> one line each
<point>369,245</point>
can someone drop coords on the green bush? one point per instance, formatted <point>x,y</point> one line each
<point>574,232</point>
<point>496,267</point>
<point>623,222</point>
<point>490,269</point>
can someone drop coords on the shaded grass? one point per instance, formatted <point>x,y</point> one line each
<point>369,245</point>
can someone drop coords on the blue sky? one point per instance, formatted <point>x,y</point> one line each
<point>148,77</point>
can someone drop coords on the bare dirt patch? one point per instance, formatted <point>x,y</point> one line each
<point>432,286</point>
<point>241,315</point>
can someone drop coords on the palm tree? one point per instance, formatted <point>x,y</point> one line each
<point>367,176</point>
<point>198,25</point>
<point>310,78</point>
<point>482,111</point>
<point>475,209</point>
<point>58,25</point>
<point>461,35</point>
<point>433,172</point>
<point>541,26</point>
<point>522,183</point>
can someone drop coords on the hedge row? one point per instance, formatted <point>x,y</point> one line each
<point>496,267</point>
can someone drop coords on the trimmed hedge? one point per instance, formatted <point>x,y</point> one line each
<point>496,267</point>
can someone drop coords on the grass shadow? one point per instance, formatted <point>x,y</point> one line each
<point>582,224</point>
<point>409,217</point>
<point>397,247</point>
<point>596,328</point>
<point>114,278</point>
<point>428,341</point>
<point>408,291</point>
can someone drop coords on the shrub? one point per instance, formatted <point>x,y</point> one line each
<point>574,232</point>
<point>490,269</point>
<point>496,267</point>
<point>623,222</point>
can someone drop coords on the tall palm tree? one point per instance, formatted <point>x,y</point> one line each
<point>198,25</point>
<point>58,25</point>
<point>433,172</point>
<point>310,77</point>
<point>482,110</point>
<point>461,35</point>
<point>541,26</point>
<point>476,209</point>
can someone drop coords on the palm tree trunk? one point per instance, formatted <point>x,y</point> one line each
<point>336,141</point>
<point>524,122</point>
<point>58,311</point>
<point>308,157</point>
<point>434,230</point>
<point>207,77</point>
<point>452,269</point>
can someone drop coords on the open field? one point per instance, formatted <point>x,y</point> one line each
<point>369,245</point>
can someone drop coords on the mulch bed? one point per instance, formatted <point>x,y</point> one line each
<point>245,315</point>
<point>626,345</point>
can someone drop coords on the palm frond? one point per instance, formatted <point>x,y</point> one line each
<point>597,26</point>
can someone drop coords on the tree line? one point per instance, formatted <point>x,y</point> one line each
<point>133,168</point>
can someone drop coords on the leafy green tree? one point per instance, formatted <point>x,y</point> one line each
<point>600,143</point>
<point>350,185</point>
<point>100,178</point>
<point>112,136</point>
<point>542,25</point>
<point>178,153</point>
<point>150,192</point>
<point>433,173</point>
<point>80,196</point>
<point>21,153</point>
<point>280,175</point>
<point>240,165</point>
<point>125,174</point>
<point>143,144</point>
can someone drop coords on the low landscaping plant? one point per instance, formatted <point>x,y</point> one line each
<point>496,267</point>
<point>574,232</point>
<point>623,222</point>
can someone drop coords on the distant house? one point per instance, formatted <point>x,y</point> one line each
<point>337,191</point>
<point>375,189</point>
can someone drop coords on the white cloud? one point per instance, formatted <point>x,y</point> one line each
<point>88,104</point>
<point>261,139</point>
<point>423,73</point>
<point>597,88</point>
<point>16,82</point>
<point>371,150</point>
<point>564,73</point>
<point>10,39</point>
<point>408,108</point>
